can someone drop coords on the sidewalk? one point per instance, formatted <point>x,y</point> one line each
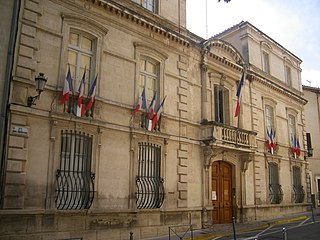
<point>219,230</point>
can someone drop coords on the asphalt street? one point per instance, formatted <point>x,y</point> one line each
<point>303,229</point>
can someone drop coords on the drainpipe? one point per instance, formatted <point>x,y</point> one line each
<point>5,95</point>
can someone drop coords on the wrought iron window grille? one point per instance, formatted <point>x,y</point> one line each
<point>150,190</point>
<point>74,179</point>
<point>275,193</point>
<point>298,193</point>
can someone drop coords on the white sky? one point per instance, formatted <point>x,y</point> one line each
<point>294,24</point>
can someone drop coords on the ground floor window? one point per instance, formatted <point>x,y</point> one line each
<point>75,181</point>
<point>275,190</point>
<point>150,190</point>
<point>298,192</point>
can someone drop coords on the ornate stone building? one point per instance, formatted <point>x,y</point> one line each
<point>313,137</point>
<point>104,172</point>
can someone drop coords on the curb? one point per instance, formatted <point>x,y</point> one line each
<point>210,236</point>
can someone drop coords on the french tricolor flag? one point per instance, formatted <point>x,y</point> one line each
<point>295,149</point>
<point>271,140</point>
<point>152,106</point>
<point>80,106</point>
<point>142,104</point>
<point>158,114</point>
<point>92,93</point>
<point>236,114</point>
<point>67,88</point>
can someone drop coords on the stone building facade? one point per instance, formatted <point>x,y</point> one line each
<point>105,173</point>
<point>312,94</point>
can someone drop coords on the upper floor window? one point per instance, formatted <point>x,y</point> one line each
<point>149,77</point>
<point>74,177</point>
<point>269,117</point>
<point>150,190</point>
<point>288,76</point>
<point>265,62</point>
<point>309,145</point>
<point>292,128</point>
<point>81,49</point>
<point>151,5</point>
<point>221,104</point>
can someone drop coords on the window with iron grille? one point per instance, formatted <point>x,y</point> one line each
<point>275,190</point>
<point>298,192</point>
<point>221,104</point>
<point>75,181</point>
<point>150,190</point>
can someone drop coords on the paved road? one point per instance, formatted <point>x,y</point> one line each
<point>306,229</point>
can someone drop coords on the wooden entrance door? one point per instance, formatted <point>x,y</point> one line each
<point>221,192</point>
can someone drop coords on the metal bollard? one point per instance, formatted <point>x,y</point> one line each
<point>234,228</point>
<point>131,235</point>
<point>284,233</point>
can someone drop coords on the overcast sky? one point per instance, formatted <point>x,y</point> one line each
<point>294,24</point>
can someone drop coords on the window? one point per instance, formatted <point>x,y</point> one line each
<point>151,5</point>
<point>265,62</point>
<point>269,117</point>
<point>149,77</point>
<point>74,177</point>
<point>275,191</point>
<point>292,129</point>
<point>298,192</point>
<point>221,104</point>
<point>288,76</point>
<point>150,191</point>
<point>309,145</point>
<point>80,57</point>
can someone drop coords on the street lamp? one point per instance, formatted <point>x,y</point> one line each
<point>41,81</point>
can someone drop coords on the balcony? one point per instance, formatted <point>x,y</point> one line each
<point>227,136</point>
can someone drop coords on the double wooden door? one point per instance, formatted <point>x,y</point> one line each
<point>221,195</point>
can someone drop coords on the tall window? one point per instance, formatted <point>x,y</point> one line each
<point>309,145</point>
<point>269,117</point>
<point>288,76</point>
<point>151,5</point>
<point>74,177</point>
<point>292,128</point>
<point>265,62</point>
<point>221,104</point>
<point>298,192</point>
<point>80,56</point>
<point>275,191</point>
<point>150,191</point>
<point>149,77</point>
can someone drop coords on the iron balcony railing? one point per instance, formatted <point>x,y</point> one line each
<point>225,134</point>
<point>298,193</point>
<point>275,193</point>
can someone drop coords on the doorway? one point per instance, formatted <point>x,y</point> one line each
<point>221,195</point>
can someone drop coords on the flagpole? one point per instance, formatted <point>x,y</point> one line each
<point>206,19</point>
